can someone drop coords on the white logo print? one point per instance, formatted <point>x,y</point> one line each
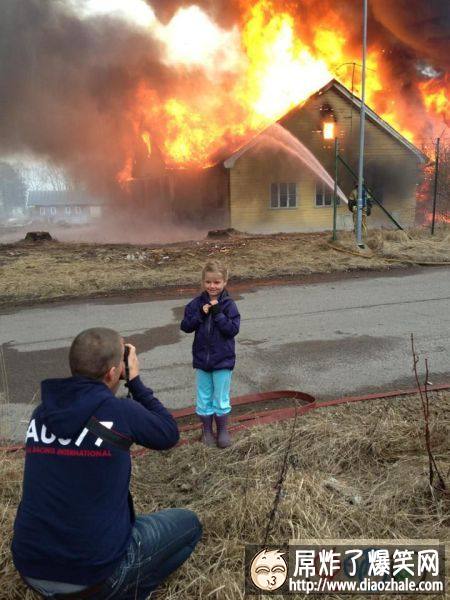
<point>45,437</point>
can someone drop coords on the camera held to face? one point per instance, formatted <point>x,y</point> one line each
<point>126,374</point>
<point>126,353</point>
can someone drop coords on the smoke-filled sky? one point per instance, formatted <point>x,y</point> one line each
<point>69,69</point>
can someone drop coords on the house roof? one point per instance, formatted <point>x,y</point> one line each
<point>372,115</point>
<point>343,91</point>
<point>62,198</point>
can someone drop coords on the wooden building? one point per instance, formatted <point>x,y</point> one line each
<point>272,190</point>
<point>68,207</point>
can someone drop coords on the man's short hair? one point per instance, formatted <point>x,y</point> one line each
<point>94,351</point>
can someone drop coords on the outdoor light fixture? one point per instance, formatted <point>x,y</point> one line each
<point>329,130</point>
<point>330,134</point>
<point>328,121</point>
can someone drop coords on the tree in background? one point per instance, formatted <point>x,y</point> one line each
<point>426,189</point>
<point>45,176</point>
<point>443,188</point>
<point>12,189</point>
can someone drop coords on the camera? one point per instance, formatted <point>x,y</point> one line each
<point>126,353</point>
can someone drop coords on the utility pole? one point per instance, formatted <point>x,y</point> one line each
<point>336,162</point>
<point>436,179</point>
<point>362,123</point>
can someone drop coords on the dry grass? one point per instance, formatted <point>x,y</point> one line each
<point>46,271</point>
<point>414,245</point>
<point>375,450</point>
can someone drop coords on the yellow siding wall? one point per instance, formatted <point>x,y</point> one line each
<point>250,182</point>
<point>386,159</point>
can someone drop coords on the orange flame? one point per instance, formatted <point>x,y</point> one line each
<point>146,139</point>
<point>279,69</point>
<point>282,71</point>
<point>436,98</point>
<point>439,219</point>
<point>125,174</point>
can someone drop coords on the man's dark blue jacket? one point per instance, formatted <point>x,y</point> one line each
<point>74,521</point>
<point>213,346</point>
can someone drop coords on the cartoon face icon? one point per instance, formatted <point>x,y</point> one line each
<point>268,569</point>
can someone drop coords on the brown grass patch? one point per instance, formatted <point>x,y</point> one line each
<point>414,245</point>
<point>52,270</point>
<point>375,449</point>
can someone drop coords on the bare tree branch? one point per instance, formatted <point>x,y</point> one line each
<point>281,478</point>
<point>434,472</point>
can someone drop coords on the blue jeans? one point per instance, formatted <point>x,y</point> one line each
<point>213,392</point>
<point>160,543</point>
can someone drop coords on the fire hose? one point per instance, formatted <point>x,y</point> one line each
<point>301,404</point>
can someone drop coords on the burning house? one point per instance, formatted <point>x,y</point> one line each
<point>273,190</point>
<point>281,179</point>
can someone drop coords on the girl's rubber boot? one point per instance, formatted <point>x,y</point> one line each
<point>207,432</point>
<point>223,437</point>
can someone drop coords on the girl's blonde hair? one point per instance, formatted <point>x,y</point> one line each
<point>214,266</point>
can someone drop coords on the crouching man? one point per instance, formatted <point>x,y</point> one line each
<point>75,533</point>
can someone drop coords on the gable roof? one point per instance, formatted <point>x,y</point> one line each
<point>62,198</point>
<point>371,115</point>
<point>356,102</point>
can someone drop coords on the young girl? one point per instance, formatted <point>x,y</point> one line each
<point>214,317</point>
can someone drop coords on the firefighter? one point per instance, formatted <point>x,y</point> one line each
<point>366,209</point>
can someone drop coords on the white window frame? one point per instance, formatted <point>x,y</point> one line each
<point>78,210</point>
<point>325,192</point>
<point>68,210</point>
<point>53,210</point>
<point>280,188</point>
<point>42,211</point>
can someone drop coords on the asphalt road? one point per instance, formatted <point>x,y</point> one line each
<point>329,338</point>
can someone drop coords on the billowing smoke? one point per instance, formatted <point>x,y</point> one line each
<point>424,27</point>
<point>225,12</point>
<point>68,85</point>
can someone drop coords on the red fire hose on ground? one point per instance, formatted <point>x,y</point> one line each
<point>301,404</point>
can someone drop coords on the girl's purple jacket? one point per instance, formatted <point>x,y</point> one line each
<point>213,346</point>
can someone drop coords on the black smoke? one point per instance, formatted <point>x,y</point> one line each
<point>423,26</point>
<point>68,85</point>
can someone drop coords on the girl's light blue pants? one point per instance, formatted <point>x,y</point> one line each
<point>213,392</point>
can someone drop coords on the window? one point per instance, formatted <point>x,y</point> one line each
<point>42,211</point>
<point>77,210</point>
<point>283,195</point>
<point>324,195</point>
<point>53,210</point>
<point>67,210</point>
<point>96,211</point>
